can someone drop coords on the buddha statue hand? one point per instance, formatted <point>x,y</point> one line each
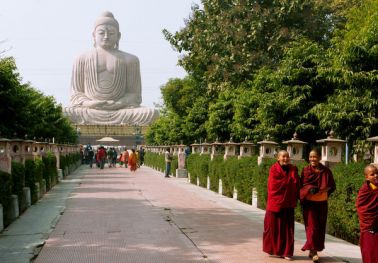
<point>94,104</point>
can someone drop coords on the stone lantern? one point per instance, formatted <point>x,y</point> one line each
<point>205,148</point>
<point>27,148</point>
<point>196,147</point>
<point>375,140</point>
<point>295,148</point>
<point>41,148</point>
<point>246,148</point>
<point>16,150</point>
<point>267,150</point>
<point>216,149</point>
<point>174,149</point>
<point>331,150</point>
<point>5,157</point>
<point>230,149</point>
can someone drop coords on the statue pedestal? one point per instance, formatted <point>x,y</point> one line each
<point>127,135</point>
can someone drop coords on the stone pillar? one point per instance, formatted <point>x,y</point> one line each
<point>13,209</point>
<point>25,201</point>
<point>235,194</point>
<point>254,197</point>
<point>60,175</point>
<point>181,172</point>
<point>295,148</point>
<point>375,141</point>
<point>267,150</point>
<point>5,157</point>
<point>331,150</point>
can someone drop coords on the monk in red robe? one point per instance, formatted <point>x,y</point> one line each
<point>367,210</point>
<point>317,184</point>
<point>132,161</point>
<point>283,188</point>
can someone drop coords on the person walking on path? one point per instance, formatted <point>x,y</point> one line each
<point>168,160</point>
<point>132,160</point>
<point>141,156</point>
<point>316,184</point>
<point>283,188</point>
<point>101,156</point>
<point>90,156</point>
<point>125,157</point>
<point>367,210</point>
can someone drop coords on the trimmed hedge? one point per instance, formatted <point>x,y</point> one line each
<point>34,174</point>
<point>157,161</point>
<point>67,161</point>
<point>5,189</point>
<point>18,180</point>
<point>50,173</point>
<point>244,174</point>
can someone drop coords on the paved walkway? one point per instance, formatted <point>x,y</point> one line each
<point>113,215</point>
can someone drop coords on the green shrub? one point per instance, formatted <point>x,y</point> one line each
<point>18,180</point>
<point>50,172</point>
<point>5,189</point>
<point>342,216</point>
<point>39,170</point>
<point>30,179</point>
<point>198,166</point>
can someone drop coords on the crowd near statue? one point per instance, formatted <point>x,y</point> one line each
<point>106,82</point>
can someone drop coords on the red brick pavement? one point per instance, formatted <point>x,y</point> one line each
<point>119,216</point>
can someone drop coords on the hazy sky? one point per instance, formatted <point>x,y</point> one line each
<point>45,36</point>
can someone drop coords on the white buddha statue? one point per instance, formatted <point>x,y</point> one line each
<point>106,82</point>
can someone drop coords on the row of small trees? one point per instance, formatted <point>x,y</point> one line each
<point>258,68</point>
<point>26,111</point>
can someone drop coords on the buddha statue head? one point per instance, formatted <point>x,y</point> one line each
<point>106,31</point>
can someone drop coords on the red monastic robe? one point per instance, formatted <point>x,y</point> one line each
<point>315,212</point>
<point>367,210</point>
<point>283,187</point>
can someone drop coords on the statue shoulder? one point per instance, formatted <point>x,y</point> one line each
<point>130,58</point>
<point>85,55</point>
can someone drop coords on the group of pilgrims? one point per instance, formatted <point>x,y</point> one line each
<point>313,188</point>
<point>131,159</point>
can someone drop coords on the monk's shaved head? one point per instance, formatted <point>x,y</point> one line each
<point>369,168</point>
<point>282,152</point>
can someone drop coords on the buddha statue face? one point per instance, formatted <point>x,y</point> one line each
<point>106,36</point>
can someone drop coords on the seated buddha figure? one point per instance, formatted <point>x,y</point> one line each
<point>106,82</point>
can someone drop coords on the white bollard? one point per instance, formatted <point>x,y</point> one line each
<point>235,194</point>
<point>254,197</point>
<point>26,199</point>
<point>60,175</point>
<point>13,210</point>
<point>208,183</point>
<point>220,188</point>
